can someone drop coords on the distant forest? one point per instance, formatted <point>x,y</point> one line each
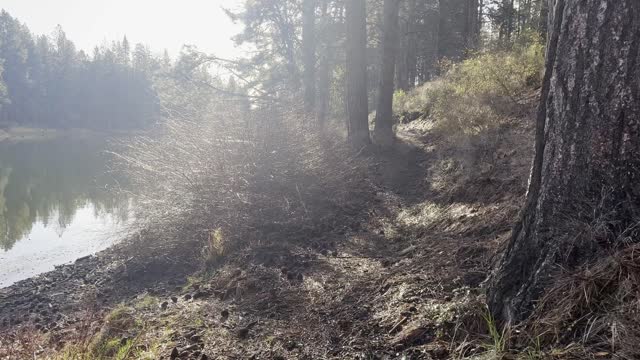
<point>46,82</point>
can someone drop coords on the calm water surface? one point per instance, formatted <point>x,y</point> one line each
<point>55,204</point>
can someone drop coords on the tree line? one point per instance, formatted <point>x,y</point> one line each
<point>339,56</point>
<point>300,49</point>
<point>47,82</point>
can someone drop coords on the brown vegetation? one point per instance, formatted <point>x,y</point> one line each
<point>384,256</point>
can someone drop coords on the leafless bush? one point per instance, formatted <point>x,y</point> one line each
<point>227,183</point>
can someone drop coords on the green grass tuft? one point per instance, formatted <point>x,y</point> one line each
<point>499,339</point>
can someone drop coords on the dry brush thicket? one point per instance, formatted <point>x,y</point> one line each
<point>227,183</point>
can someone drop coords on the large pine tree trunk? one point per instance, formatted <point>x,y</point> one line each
<point>511,19</point>
<point>309,54</point>
<point>324,68</point>
<point>412,45</point>
<point>402,71</point>
<point>406,61</point>
<point>587,158</point>
<point>357,104</point>
<point>470,31</point>
<point>383,131</point>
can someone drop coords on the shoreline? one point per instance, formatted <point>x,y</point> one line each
<point>19,134</point>
<point>27,134</point>
<point>62,297</point>
<point>49,299</point>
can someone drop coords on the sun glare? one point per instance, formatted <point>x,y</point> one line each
<point>159,24</point>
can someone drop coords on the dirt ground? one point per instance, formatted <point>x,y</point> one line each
<point>399,278</point>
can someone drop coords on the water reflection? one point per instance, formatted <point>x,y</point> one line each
<point>48,188</point>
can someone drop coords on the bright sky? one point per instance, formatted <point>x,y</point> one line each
<point>161,24</point>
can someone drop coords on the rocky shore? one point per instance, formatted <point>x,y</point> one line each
<point>48,301</point>
<point>55,300</point>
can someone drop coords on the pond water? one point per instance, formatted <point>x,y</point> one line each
<point>56,204</point>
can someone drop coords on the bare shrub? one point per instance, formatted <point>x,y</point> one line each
<point>226,183</point>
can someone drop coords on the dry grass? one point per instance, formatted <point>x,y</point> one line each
<point>212,186</point>
<point>596,307</point>
<point>477,118</point>
<point>475,98</point>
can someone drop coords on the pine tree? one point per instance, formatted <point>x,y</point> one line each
<point>587,153</point>
<point>357,103</point>
<point>309,54</point>
<point>383,131</point>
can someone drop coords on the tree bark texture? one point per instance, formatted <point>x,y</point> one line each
<point>412,41</point>
<point>587,152</point>
<point>383,131</point>
<point>309,54</point>
<point>357,103</point>
<point>402,71</point>
<point>324,68</point>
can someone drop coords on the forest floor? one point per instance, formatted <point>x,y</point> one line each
<point>399,278</point>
